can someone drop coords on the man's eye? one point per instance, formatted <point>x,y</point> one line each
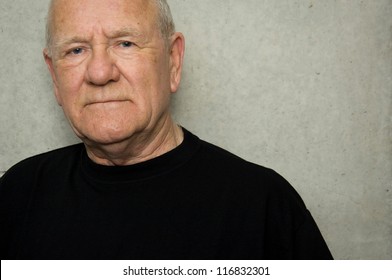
<point>126,44</point>
<point>76,51</point>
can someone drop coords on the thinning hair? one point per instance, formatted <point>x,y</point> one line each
<point>165,19</point>
<point>165,22</point>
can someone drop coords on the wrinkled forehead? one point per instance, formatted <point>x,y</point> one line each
<point>80,15</point>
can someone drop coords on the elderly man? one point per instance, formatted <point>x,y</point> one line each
<point>140,186</point>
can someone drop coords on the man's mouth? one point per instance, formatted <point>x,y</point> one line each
<point>107,101</point>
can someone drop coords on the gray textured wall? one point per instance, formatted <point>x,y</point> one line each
<point>302,86</point>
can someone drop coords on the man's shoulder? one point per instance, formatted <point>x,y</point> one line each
<point>48,160</point>
<point>18,183</point>
<point>231,163</point>
<point>247,178</point>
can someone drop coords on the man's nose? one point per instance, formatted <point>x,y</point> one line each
<point>101,68</point>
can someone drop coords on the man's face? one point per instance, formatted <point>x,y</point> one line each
<point>112,74</point>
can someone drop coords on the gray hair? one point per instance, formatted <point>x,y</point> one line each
<point>165,19</point>
<point>165,22</point>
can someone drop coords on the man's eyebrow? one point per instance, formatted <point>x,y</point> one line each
<point>126,31</point>
<point>68,41</point>
<point>122,32</point>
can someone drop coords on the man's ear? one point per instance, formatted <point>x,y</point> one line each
<point>49,63</point>
<point>177,50</point>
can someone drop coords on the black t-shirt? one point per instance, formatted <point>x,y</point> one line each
<point>197,201</point>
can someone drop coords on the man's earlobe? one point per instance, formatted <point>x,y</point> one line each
<point>177,50</point>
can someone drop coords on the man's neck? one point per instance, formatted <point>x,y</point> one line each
<point>138,148</point>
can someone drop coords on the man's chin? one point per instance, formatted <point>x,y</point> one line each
<point>106,139</point>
